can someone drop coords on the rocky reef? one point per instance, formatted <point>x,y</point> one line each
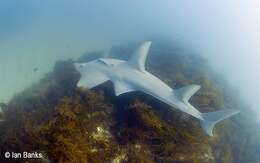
<point>70,124</point>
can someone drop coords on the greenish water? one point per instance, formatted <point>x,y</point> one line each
<point>36,33</point>
<point>37,48</point>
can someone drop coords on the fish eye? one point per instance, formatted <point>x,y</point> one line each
<point>104,62</point>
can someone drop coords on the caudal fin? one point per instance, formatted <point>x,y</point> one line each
<point>210,119</point>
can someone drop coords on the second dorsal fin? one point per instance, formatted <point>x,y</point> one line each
<point>186,92</point>
<point>138,59</point>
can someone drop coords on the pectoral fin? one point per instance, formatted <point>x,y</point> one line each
<point>91,80</point>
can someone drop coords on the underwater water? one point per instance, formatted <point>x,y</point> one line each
<point>212,44</point>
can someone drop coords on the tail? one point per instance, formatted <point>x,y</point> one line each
<point>210,119</point>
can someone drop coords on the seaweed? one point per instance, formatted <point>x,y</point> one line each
<point>70,124</point>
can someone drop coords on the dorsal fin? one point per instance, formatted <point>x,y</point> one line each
<point>138,59</point>
<point>186,92</point>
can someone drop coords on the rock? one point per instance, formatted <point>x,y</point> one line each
<point>101,134</point>
<point>119,158</point>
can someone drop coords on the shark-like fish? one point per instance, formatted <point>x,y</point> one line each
<point>131,75</point>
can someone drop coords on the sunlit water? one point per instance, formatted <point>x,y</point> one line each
<point>34,34</point>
